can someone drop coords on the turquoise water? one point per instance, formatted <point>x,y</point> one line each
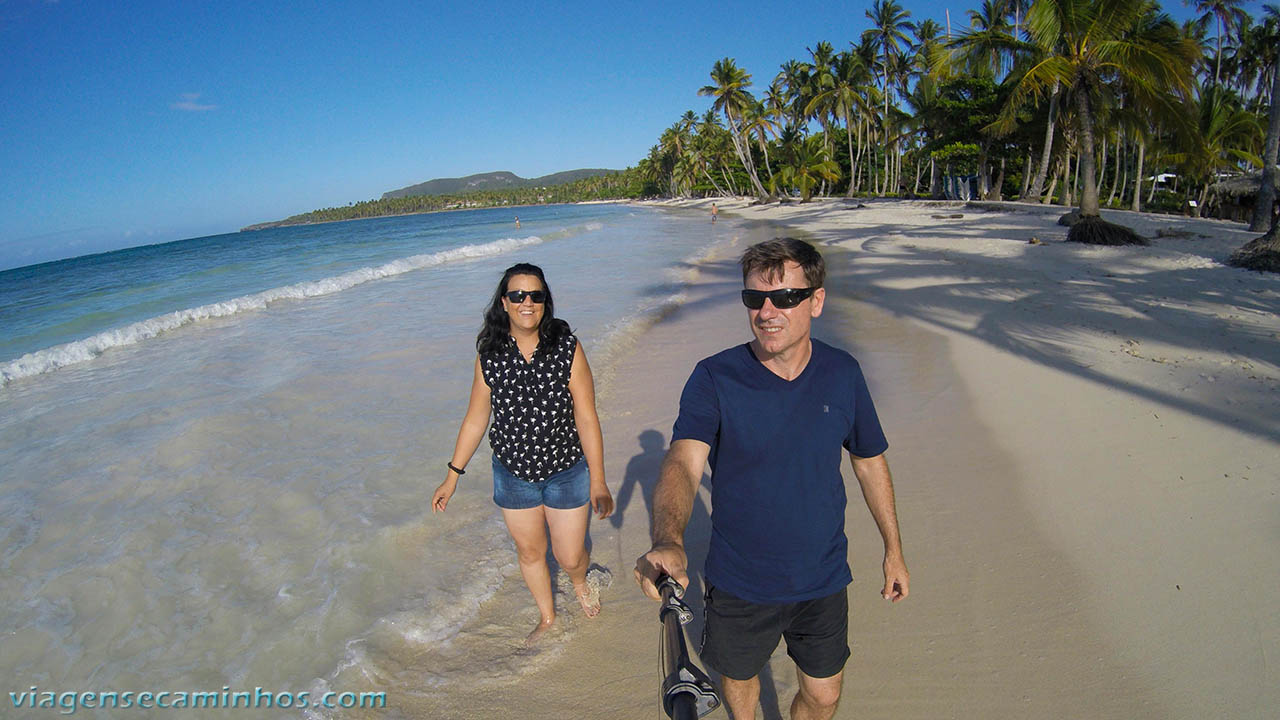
<point>60,313</point>
<point>219,452</point>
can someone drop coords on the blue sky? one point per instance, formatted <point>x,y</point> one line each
<point>130,123</point>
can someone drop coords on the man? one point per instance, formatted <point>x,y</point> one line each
<point>771,417</point>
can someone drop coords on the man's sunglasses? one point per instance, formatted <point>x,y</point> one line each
<point>781,299</point>
<point>517,296</point>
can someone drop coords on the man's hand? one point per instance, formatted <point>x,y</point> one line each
<point>667,558</point>
<point>896,578</point>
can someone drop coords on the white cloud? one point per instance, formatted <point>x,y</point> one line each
<point>189,103</point>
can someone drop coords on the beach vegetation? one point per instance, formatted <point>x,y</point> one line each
<point>1078,102</point>
<point>729,88</point>
<point>808,166</point>
<point>1223,136</point>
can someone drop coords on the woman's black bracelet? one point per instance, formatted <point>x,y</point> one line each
<point>460,471</point>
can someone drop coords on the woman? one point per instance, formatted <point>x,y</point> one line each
<point>548,452</point>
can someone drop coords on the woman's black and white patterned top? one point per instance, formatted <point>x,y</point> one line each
<point>533,432</point>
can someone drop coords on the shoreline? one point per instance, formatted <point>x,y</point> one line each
<point>1079,437</point>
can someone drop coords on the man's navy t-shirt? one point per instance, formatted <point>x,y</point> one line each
<point>777,496</point>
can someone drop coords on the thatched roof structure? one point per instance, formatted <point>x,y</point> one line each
<point>1242,186</point>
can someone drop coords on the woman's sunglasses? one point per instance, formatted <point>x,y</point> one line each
<point>781,299</point>
<point>517,296</point>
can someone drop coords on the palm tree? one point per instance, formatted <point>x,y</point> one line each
<point>810,166</point>
<point>1227,13</point>
<point>889,32</point>
<point>926,44</point>
<point>988,46</point>
<point>1263,253</point>
<point>732,98</point>
<point>675,146</point>
<point>1083,45</point>
<point>715,152</point>
<point>822,79</point>
<point>1267,193</point>
<point>1254,58</point>
<point>1218,141</point>
<point>794,78</point>
<point>775,99</point>
<point>847,95</point>
<point>988,49</point>
<point>929,62</point>
<point>758,122</point>
<point>1019,10</point>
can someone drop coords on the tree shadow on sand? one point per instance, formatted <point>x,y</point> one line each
<point>1000,300</point>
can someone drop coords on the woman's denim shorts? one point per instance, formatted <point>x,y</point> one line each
<point>566,490</point>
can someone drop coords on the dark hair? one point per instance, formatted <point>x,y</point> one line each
<point>769,259</point>
<point>496,327</point>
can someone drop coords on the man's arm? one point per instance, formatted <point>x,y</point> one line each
<point>877,489</point>
<point>678,482</point>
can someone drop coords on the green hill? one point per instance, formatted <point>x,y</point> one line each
<point>501,180</point>
<point>565,187</point>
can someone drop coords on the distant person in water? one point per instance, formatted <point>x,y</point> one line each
<point>517,222</point>
<point>714,211</point>
<point>532,376</point>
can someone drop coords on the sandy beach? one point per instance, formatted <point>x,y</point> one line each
<point>1085,446</point>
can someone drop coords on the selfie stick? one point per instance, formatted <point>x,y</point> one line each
<point>687,692</point>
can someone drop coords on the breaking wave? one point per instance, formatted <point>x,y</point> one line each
<point>59,356</point>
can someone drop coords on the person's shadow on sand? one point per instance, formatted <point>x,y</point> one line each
<point>642,474</point>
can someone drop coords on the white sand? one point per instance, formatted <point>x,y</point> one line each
<point>1085,447</point>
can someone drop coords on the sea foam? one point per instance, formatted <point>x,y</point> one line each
<point>59,356</point>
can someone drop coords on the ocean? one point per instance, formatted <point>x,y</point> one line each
<point>218,453</point>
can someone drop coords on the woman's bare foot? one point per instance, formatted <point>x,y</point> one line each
<point>539,631</point>
<point>589,598</point>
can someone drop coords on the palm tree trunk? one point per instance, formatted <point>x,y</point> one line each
<point>1217,72</point>
<point>1137,178</point>
<point>935,179</point>
<point>1047,153</point>
<point>886,121</point>
<point>1089,196</point>
<point>984,172</point>
<point>1068,197</point>
<point>1267,193</point>
<point>713,182</point>
<point>728,181</point>
<point>994,192</point>
<point>1075,178</point>
<point>1115,183</point>
<point>1053,185</point>
<point>848,126</point>
<point>897,172</point>
<point>764,148</point>
<point>1102,166</point>
<point>1026,177</point>
<point>856,168</point>
<point>826,145</point>
<point>873,172</point>
<point>744,154</point>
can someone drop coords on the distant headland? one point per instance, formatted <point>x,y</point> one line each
<point>493,189</point>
